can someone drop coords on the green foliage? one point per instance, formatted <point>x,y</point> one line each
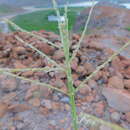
<point>128,28</point>
<point>39,20</point>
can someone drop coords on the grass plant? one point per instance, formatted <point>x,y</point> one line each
<point>65,40</point>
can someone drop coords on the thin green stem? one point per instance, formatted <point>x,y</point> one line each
<point>103,65</point>
<point>39,52</point>
<point>32,81</point>
<point>63,27</point>
<point>16,27</point>
<point>83,33</point>
<point>45,69</point>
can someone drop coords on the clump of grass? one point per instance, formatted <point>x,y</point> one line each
<point>64,33</point>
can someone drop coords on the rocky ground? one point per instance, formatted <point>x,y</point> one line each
<point>26,106</point>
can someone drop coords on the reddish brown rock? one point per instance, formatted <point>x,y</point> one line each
<point>85,90</point>
<point>60,75</point>
<point>127,84</point>
<point>46,103</point>
<point>56,105</point>
<point>59,54</point>
<point>99,108</point>
<point>8,84</point>
<point>116,82</point>
<point>92,83</point>
<point>8,97</point>
<point>76,37</point>
<point>45,48</point>
<point>44,111</point>
<point>19,50</point>
<point>18,108</point>
<point>89,68</point>
<point>28,95</point>
<point>19,65</point>
<point>74,64</point>
<point>128,116</point>
<point>28,73</point>
<point>3,109</point>
<point>45,92</point>
<point>117,64</point>
<point>80,69</point>
<point>35,102</point>
<point>117,98</point>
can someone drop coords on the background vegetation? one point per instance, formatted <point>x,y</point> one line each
<point>39,20</point>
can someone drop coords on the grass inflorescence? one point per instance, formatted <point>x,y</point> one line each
<point>65,40</point>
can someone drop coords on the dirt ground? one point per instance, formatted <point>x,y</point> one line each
<point>26,106</point>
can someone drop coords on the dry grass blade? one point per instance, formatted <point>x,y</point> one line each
<point>45,69</point>
<point>83,33</point>
<point>90,119</point>
<point>32,81</point>
<point>16,27</point>
<point>39,52</point>
<point>103,65</point>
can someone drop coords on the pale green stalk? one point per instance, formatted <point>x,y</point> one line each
<point>16,27</point>
<point>90,118</point>
<point>83,33</point>
<point>32,81</point>
<point>39,52</point>
<point>63,28</point>
<point>103,65</point>
<point>45,69</point>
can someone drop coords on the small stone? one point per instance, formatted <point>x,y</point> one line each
<point>127,84</point>
<point>92,84</point>
<point>28,95</point>
<point>116,82</point>
<point>59,54</point>
<point>44,111</point>
<point>3,109</point>
<point>117,98</point>
<point>46,103</point>
<point>19,65</point>
<point>80,69</point>
<point>89,68</point>
<point>45,92</point>
<point>18,108</point>
<point>65,99</point>
<point>49,50</point>
<point>8,84</point>
<point>115,116</point>
<point>85,90</point>
<point>74,64</point>
<point>19,50</point>
<point>99,108</point>
<point>28,73</point>
<point>56,105</point>
<point>76,37</point>
<point>67,107</point>
<point>89,98</point>
<point>104,127</point>
<point>128,116</point>
<point>35,102</point>
<point>77,83</point>
<point>8,97</point>
<point>60,75</point>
